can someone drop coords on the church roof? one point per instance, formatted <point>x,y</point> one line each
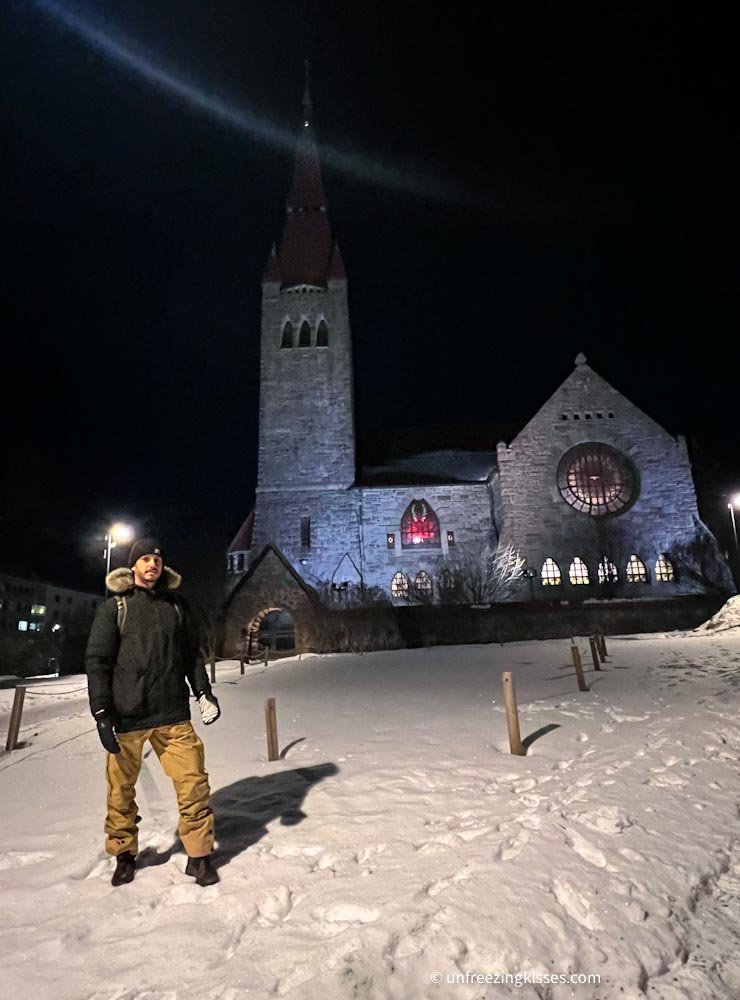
<point>445,466</point>
<point>242,541</point>
<point>306,247</point>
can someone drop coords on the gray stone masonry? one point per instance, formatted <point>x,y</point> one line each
<point>535,519</point>
<point>306,419</point>
<point>464,509</point>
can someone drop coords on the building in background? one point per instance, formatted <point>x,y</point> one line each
<point>591,499</point>
<point>42,624</point>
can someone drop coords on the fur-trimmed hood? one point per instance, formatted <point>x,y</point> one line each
<point>120,581</point>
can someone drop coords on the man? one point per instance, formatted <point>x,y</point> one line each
<point>143,645</point>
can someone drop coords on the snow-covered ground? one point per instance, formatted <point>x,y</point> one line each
<point>398,841</point>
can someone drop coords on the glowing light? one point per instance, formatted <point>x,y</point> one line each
<point>121,533</point>
<point>123,52</point>
<point>736,501</point>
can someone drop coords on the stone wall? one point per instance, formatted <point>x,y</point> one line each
<point>365,629</point>
<point>463,509</point>
<point>306,416</point>
<point>536,520</point>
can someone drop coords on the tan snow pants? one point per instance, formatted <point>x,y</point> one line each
<point>181,754</point>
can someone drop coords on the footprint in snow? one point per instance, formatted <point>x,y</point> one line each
<point>512,847</point>
<point>274,905</point>
<point>577,906</point>
<point>347,913</point>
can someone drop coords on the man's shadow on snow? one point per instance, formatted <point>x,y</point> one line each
<point>243,810</point>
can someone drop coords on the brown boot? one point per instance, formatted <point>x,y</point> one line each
<point>125,869</point>
<point>202,871</point>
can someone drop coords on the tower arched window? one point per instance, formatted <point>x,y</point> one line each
<point>400,585</point>
<point>287,340</point>
<point>578,572</point>
<point>322,334</point>
<point>423,584</point>
<point>664,570</point>
<point>304,337</point>
<point>636,570</point>
<point>550,574</point>
<point>419,526</point>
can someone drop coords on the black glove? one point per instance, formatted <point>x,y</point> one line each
<point>209,707</point>
<point>106,732</point>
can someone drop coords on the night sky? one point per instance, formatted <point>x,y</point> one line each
<point>556,179</point>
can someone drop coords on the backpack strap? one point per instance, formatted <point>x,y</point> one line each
<point>121,612</point>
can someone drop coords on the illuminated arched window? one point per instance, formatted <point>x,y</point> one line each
<point>550,574</point>
<point>423,584</point>
<point>287,340</point>
<point>400,585</point>
<point>419,526</point>
<point>636,570</point>
<point>322,334</point>
<point>607,571</point>
<point>304,337</point>
<point>664,570</point>
<point>578,572</point>
<point>596,479</point>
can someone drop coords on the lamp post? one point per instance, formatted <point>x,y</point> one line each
<point>734,505</point>
<point>117,534</point>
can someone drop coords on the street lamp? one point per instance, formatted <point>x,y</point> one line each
<point>118,534</point>
<point>732,506</point>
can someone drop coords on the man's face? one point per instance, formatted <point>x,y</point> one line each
<point>147,570</point>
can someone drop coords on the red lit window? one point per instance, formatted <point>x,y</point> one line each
<point>419,525</point>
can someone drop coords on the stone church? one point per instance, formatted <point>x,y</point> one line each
<point>591,499</point>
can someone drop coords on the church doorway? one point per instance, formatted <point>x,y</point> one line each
<point>273,629</point>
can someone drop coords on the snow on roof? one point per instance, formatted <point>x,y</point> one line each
<point>446,466</point>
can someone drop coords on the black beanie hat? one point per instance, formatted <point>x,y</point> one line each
<point>145,547</point>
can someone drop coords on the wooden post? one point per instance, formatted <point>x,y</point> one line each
<point>241,664</point>
<point>594,653</point>
<point>15,718</point>
<point>267,654</point>
<point>576,654</point>
<point>602,640</point>
<point>213,668</point>
<point>271,728</point>
<point>512,716</point>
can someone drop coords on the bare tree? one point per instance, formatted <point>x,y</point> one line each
<point>698,560</point>
<point>481,575</point>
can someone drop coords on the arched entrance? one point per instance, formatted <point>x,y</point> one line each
<point>273,629</point>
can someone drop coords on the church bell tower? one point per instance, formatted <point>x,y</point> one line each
<point>306,411</point>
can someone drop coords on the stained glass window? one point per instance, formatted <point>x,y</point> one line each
<point>578,572</point>
<point>400,585</point>
<point>287,340</point>
<point>596,479</point>
<point>636,570</point>
<point>664,570</point>
<point>419,525</point>
<point>423,584</point>
<point>607,571</point>
<point>304,337</point>
<point>322,334</point>
<point>550,575</point>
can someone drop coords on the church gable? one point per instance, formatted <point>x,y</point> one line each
<point>585,405</point>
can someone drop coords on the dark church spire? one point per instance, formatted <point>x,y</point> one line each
<point>307,106</point>
<point>305,249</point>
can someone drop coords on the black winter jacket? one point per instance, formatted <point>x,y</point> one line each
<point>138,675</point>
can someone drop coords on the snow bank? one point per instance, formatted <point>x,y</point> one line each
<point>728,616</point>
